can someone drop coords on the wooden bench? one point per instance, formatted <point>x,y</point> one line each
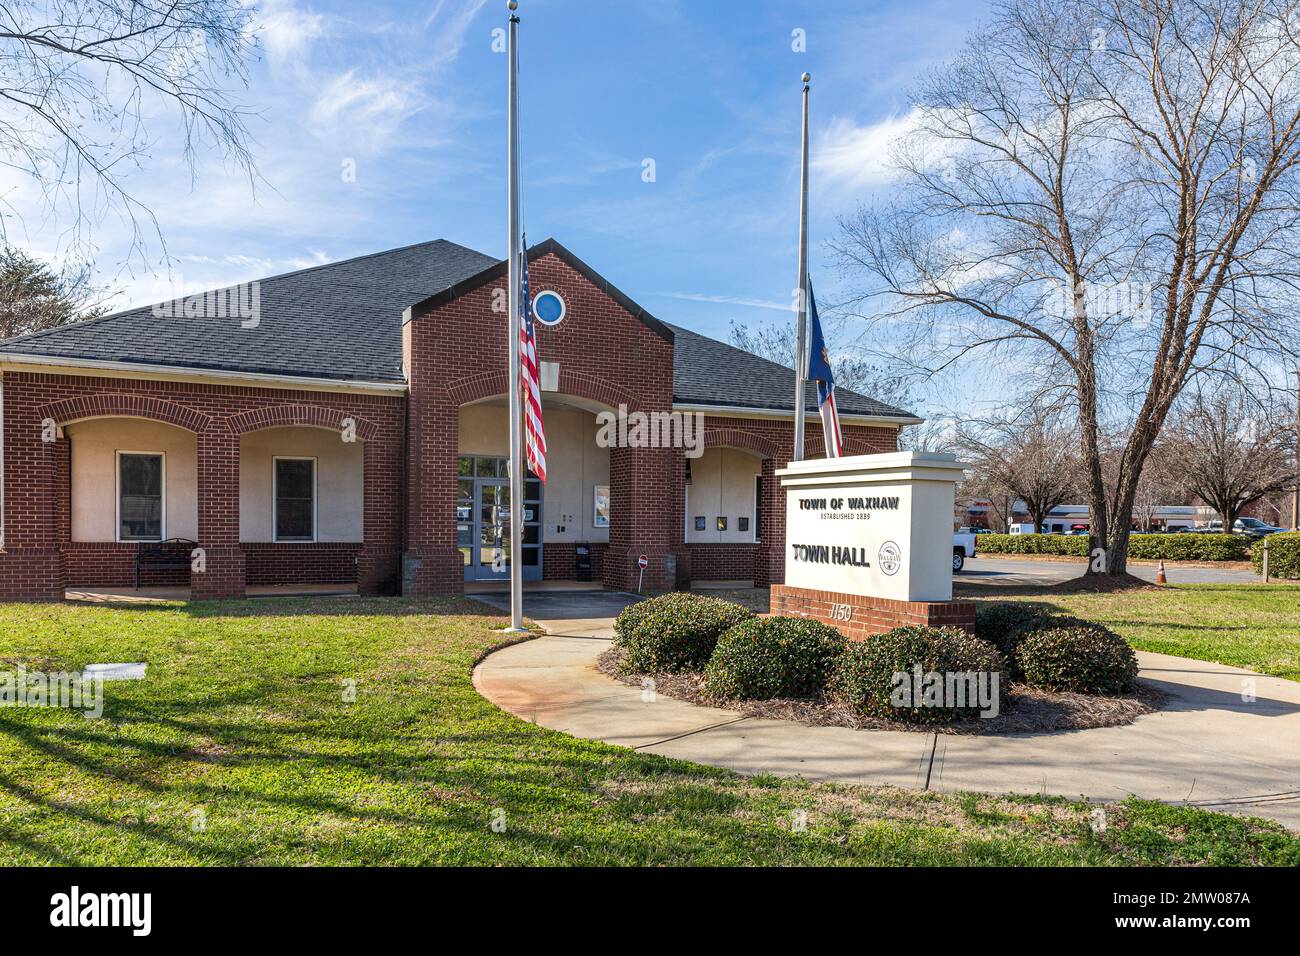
<point>172,554</point>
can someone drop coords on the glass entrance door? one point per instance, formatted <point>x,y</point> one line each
<point>492,507</point>
<point>483,517</point>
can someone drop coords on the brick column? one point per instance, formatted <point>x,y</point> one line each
<point>218,466</point>
<point>677,525</point>
<point>378,564</point>
<point>640,491</point>
<point>769,557</point>
<point>431,564</point>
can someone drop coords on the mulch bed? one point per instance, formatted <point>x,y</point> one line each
<point>1030,711</point>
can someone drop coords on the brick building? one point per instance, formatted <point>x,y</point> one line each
<point>346,425</point>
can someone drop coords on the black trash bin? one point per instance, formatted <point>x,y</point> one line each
<point>582,565</point>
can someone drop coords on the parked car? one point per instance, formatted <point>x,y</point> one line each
<point>1254,528</point>
<point>963,547</point>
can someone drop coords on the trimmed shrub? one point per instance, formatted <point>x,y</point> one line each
<point>873,674</point>
<point>674,632</point>
<point>1283,556</point>
<point>1005,624</point>
<point>1089,659</point>
<point>1149,547</point>
<point>768,657</point>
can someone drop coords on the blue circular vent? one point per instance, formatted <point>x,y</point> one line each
<point>548,307</point>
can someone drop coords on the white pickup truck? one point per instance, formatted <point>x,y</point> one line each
<point>963,547</point>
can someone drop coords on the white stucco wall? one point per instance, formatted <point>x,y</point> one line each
<point>722,484</point>
<point>575,465</point>
<point>340,482</point>
<point>94,446</point>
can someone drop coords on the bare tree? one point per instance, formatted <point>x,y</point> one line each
<point>775,342</point>
<point>1158,484</point>
<point>1035,461</point>
<point>979,487</point>
<point>1105,190</point>
<point>1229,451</point>
<point>33,296</point>
<point>81,80</point>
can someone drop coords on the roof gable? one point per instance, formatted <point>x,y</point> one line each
<point>548,246</point>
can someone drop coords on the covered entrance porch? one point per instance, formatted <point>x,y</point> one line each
<point>483,516</point>
<point>566,521</point>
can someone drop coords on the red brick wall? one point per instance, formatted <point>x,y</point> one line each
<point>723,562</point>
<point>869,615</point>
<point>38,555</point>
<point>301,563</point>
<point>112,564</point>
<point>560,560</point>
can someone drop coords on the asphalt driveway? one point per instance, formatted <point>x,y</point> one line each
<point>990,569</point>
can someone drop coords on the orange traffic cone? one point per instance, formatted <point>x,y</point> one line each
<point>1160,573</point>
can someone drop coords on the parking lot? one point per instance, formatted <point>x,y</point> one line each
<point>990,569</point>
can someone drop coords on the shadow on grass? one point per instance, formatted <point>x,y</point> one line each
<point>308,606</point>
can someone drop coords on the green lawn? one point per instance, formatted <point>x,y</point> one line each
<point>1248,625</point>
<point>239,748</point>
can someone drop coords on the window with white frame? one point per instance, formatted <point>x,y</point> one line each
<point>295,499</point>
<point>140,496</point>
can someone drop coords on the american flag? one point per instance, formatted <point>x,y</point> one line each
<point>530,385</point>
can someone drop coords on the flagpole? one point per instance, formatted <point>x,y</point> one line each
<point>516,416</point>
<point>801,329</point>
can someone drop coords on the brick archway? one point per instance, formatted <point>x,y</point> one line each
<point>739,438</point>
<point>313,416</point>
<point>474,388</point>
<point>124,405</point>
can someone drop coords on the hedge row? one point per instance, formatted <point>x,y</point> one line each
<point>1170,547</point>
<point>1283,556</point>
<point>1067,544</point>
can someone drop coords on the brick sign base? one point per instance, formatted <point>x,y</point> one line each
<point>858,617</point>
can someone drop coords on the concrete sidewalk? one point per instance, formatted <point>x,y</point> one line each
<point>1207,748</point>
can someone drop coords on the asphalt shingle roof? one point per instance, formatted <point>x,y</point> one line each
<point>343,321</point>
<point>337,321</point>
<point>709,372</point>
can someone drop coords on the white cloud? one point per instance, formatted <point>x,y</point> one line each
<point>853,157</point>
<point>288,31</point>
<point>364,111</point>
<point>729,300</point>
<point>450,31</point>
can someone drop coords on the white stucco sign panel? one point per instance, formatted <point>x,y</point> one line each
<point>872,525</point>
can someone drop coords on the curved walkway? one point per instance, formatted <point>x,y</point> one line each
<point>1207,748</point>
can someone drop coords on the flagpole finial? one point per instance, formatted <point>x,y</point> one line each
<point>512,5</point>
<point>807,77</point>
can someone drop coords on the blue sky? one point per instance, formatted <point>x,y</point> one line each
<point>414,95</point>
